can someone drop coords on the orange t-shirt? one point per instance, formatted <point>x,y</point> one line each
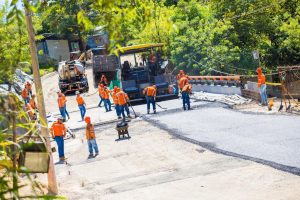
<point>183,81</point>
<point>122,98</point>
<point>58,129</point>
<point>24,93</point>
<point>115,98</point>
<point>61,102</point>
<point>261,80</point>
<point>80,100</point>
<point>105,94</point>
<point>151,91</point>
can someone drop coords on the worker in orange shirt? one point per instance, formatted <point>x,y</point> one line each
<point>28,86</point>
<point>100,91</point>
<point>182,82</point>
<point>32,102</point>
<point>25,95</point>
<point>105,97</point>
<point>61,105</point>
<point>91,137</point>
<point>65,103</point>
<point>115,99</point>
<point>186,91</point>
<point>123,100</point>
<point>261,83</point>
<point>150,94</point>
<point>58,132</point>
<point>81,104</point>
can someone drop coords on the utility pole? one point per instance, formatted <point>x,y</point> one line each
<point>52,185</point>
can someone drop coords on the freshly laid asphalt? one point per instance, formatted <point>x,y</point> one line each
<point>273,140</point>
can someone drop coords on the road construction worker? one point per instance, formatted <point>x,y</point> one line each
<point>58,132</point>
<point>100,91</point>
<point>31,112</point>
<point>115,99</point>
<point>91,137</point>
<point>182,82</point>
<point>28,86</point>
<point>81,104</point>
<point>65,103</point>
<point>25,95</point>
<point>123,100</point>
<point>104,80</point>
<point>186,91</point>
<point>32,102</point>
<point>105,97</point>
<point>150,94</point>
<point>261,83</point>
<point>61,105</point>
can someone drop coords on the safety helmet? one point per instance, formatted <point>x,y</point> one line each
<point>77,92</point>
<point>58,91</point>
<point>87,120</point>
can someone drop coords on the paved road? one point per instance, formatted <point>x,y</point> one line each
<point>275,139</point>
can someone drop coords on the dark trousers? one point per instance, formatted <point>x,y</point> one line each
<point>150,100</point>
<point>186,100</point>
<point>93,146</point>
<point>117,107</point>
<point>82,111</point>
<point>60,145</point>
<point>67,114</point>
<point>62,111</point>
<point>107,105</point>
<point>124,108</point>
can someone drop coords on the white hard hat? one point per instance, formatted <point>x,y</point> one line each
<point>77,92</point>
<point>58,91</point>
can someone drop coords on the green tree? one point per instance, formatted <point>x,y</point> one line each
<point>200,41</point>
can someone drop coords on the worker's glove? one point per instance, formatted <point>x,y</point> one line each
<point>154,98</point>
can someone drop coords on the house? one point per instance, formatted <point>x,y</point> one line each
<point>56,47</point>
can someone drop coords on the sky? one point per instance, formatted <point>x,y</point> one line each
<point>2,2</point>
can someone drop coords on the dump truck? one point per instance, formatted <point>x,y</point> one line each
<point>72,77</point>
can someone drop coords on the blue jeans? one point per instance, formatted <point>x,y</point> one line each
<point>107,105</point>
<point>124,108</point>
<point>62,111</point>
<point>263,94</point>
<point>100,100</point>
<point>67,114</point>
<point>82,111</point>
<point>150,100</point>
<point>60,145</point>
<point>117,107</point>
<point>93,145</point>
<point>186,100</point>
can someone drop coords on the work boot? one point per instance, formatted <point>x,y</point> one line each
<point>119,117</point>
<point>129,116</point>
<point>62,158</point>
<point>154,111</point>
<point>148,111</point>
<point>96,154</point>
<point>91,155</point>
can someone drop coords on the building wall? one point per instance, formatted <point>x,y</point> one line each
<point>58,49</point>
